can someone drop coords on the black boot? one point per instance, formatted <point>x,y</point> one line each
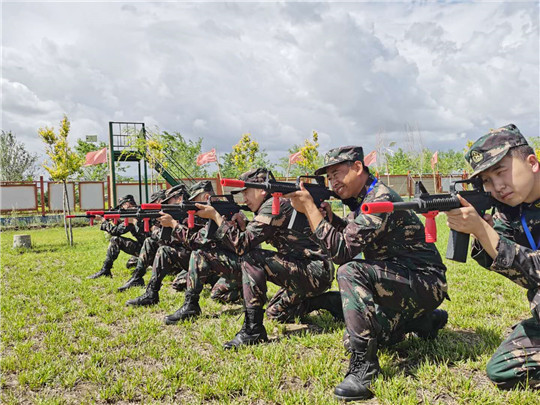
<point>136,280</point>
<point>190,309</point>
<point>330,300</point>
<point>363,369</point>
<point>428,325</point>
<point>104,272</point>
<point>150,297</point>
<point>132,262</point>
<point>252,331</point>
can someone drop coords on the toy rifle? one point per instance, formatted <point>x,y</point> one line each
<point>92,215</point>
<point>429,205</point>
<point>187,209</point>
<point>317,190</point>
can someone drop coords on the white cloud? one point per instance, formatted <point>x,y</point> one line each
<point>276,70</point>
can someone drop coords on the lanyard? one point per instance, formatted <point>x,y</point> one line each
<point>528,232</point>
<point>371,186</point>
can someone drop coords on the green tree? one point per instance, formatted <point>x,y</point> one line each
<point>64,163</point>
<point>184,152</point>
<point>16,163</point>
<point>245,155</point>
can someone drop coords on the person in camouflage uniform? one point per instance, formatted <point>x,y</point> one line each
<point>508,242</point>
<point>299,267</point>
<point>397,285</point>
<point>173,256</point>
<point>117,242</point>
<point>148,250</point>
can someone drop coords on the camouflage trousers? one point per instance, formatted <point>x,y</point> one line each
<point>517,360</point>
<point>117,244</point>
<point>147,254</point>
<point>379,298</point>
<point>168,260</point>
<point>217,267</point>
<point>298,278</point>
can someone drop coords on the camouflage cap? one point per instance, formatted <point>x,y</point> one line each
<point>259,175</point>
<point>493,147</point>
<point>175,191</point>
<point>200,187</point>
<point>158,195</point>
<point>340,155</point>
<point>127,198</point>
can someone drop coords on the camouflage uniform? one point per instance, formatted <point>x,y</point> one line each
<point>173,257</point>
<point>400,277</point>
<point>517,360</point>
<point>299,267</point>
<point>119,243</point>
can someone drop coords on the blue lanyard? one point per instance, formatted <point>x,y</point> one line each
<point>371,186</point>
<point>528,232</point>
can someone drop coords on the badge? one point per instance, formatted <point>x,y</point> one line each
<point>476,156</point>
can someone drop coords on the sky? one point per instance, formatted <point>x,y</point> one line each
<point>421,74</point>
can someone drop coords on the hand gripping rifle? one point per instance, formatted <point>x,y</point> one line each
<point>430,205</point>
<point>298,222</point>
<point>92,215</point>
<point>226,207</point>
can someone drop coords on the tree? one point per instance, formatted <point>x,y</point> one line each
<point>245,155</point>
<point>16,163</point>
<point>184,152</point>
<point>64,163</point>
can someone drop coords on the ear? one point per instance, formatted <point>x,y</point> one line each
<point>532,160</point>
<point>358,167</point>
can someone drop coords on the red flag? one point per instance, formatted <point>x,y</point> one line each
<point>207,157</point>
<point>295,157</point>
<point>434,159</point>
<point>96,158</point>
<point>370,158</point>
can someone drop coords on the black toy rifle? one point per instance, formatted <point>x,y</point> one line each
<point>226,207</point>
<point>318,191</point>
<point>429,205</point>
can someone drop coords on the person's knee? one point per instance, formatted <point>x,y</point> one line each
<point>501,371</point>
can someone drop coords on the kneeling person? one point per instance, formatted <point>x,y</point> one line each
<point>509,242</point>
<point>395,287</point>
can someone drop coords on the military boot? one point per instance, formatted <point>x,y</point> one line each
<point>363,369</point>
<point>330,300</point>
<point>132,262</point>
<point>190,309</point>
<point>136,280</point>
<point>150,297</point>
<point>104,272</point>
<point>252,331</point>
<point>428,325</point>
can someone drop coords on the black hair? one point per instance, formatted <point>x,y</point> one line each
<point>521,151</point>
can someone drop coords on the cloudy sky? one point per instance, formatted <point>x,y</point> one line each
<point>443,70</point>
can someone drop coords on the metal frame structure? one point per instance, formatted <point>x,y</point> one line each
<point>121,151</point>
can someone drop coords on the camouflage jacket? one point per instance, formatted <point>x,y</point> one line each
<point>191,238</point>
<point>271,229</point>
<point>515,257</point>
<point>120,229</point>
<point>396,237</point>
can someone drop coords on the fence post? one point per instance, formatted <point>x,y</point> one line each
<point>42,195</point>
<point>218,184</point>
<point>109,191</point>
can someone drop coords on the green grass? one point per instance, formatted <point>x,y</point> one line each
<point>65,339</point>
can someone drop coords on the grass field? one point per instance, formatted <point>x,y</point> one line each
<point>66,339</point>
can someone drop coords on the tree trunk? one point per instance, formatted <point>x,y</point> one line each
<point>66,202</point>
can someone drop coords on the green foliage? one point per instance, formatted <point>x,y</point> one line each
<point>64,162</point>
<point>401,162</point>
<point>16,163</point>
<point>535,144</point>
<point>184,152</point>
<point>245,155</point>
